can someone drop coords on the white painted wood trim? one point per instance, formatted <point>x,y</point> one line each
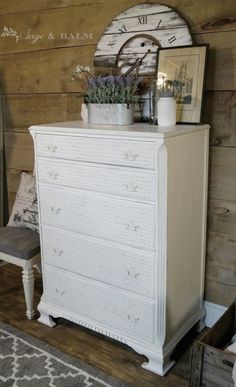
<point>176,302</point>
<point>213,313</point>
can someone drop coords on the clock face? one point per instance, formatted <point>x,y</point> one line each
<point>138,53</point>
<point>137,31</point>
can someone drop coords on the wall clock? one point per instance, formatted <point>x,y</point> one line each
<point>134,36</point>
<point>139,29</point>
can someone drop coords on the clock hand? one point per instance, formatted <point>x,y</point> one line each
<point>137,63</point>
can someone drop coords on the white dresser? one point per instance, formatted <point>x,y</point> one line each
<point>122,223</point>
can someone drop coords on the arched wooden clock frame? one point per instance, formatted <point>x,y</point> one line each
<point>135,31</point>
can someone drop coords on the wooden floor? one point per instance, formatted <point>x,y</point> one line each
<point>114,358</point>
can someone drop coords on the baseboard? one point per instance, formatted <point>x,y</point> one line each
<point>213,313</point>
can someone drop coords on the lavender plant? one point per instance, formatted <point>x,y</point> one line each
<point>107,89</point>
<point>112,89</point>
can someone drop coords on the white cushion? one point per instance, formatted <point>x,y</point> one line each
<point>25,209</point>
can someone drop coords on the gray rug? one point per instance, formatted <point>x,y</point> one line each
<point>27,362</point>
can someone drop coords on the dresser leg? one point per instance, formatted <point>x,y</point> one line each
<point>46,320</point>
<point>157,366</point>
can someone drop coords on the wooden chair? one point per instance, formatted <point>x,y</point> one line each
<point>21,246</point>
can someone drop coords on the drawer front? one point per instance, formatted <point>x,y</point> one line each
<point>124,268</point>
<point>118,220</point>
<point>133,184</point>
<point>109,307</point>
<point>97,150</point>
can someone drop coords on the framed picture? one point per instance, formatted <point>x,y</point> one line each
<point>182,70</point>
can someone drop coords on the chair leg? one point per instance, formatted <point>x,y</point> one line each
<point>38,267</point>
<point>28,284</point>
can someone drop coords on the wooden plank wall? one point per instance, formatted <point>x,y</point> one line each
<point>35,73</point>
<point>1,164</point>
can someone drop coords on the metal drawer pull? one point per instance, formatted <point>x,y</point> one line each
<point>52,148</point>
<point>60,292</point>
<point>131,227</point>
<point>58,252</point>
<point>135,276</point>
<point>53,175</point>
<point>133,319</point>
<point>55,210</point>
<point>131,187</point>
<point>130,156</point>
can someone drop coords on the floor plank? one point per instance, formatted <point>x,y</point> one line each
<point>114,358</point>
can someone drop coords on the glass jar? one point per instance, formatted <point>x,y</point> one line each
<point>166,109</point>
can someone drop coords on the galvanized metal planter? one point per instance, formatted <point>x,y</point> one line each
<point>110,113</point>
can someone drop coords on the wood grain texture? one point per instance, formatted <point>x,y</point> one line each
<point>221,248</point>
<point>19,151</point>
<point>215,270</point>
<point>222,177</point>
<point>13,179</point>
<point>50,29</point>
<point>220,264</point>
<point>101,352</point>
<point>213,16</point>
<point>221,68</point>
<point>50,71</point>
<point>219,293</point>
<point>24,110</point>
<point>219,110</point>
<point>210,364</point>
<point>44,71</point>
<point>222,217</point>
<point>11,200</point>
<point>2,171</point>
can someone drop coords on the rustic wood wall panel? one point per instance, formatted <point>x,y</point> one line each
<point>49,70</point>
<point>220,110</point>
<point>23,110</point>
<point>46,71</point>
<point>34,31</point>
<point>19,151</point>
<point>221,69</point>
<point>38,88</point>
<point>222,178</point>
<point>213,16</point>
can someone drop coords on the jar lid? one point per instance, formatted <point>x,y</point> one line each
<point>166,94</point>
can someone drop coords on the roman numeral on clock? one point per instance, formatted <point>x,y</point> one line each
<point>142,19</point>
<point>123,29</point>
<point>158,25</point>
<point>172,39</point>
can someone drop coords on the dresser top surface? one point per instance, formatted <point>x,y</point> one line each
<point>136,129</point>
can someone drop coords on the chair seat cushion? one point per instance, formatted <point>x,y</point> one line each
<point>19,242</point>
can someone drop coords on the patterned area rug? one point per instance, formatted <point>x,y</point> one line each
<point>27,362</point>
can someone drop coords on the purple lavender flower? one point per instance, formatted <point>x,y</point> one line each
<point>91,83</point>
<point>100,81</point>
<point>112,89</point>
<point>119,81</point>
<point>110,80</point>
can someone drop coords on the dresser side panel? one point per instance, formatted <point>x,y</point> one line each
<point>187,165</point>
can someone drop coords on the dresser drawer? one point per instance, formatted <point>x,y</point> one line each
<point>109,307</point>
<point>97,150</point>
<point>133,184</point>
<point>125,268</point>
<point>118,220</point>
